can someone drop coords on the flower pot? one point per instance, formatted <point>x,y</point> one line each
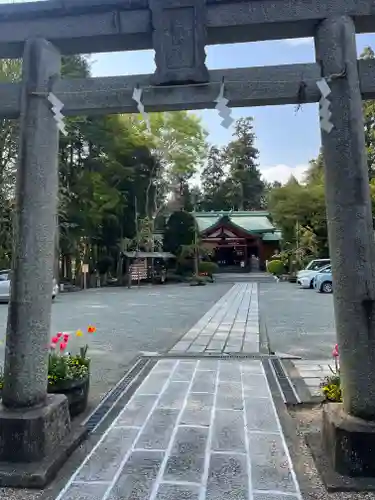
<point>77,392</point>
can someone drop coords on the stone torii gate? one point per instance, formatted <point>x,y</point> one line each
<point>33,425</point>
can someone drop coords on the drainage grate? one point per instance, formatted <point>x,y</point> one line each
<point>128,384</point>
<point>256,356</point>
<point>215,355</point>
<point>284,382</point>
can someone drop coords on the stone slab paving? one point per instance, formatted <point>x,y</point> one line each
<point>313,372</point>
<point>194,430</point>
<point>231,325</point>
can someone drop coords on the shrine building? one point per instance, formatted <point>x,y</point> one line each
<point>238,240</point>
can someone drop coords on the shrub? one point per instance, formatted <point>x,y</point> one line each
<point>276,267</point>
<point>179,232</point>
<point>185,267</point>
<point>208,268</point>
<point>104,264</point>
<point>331,389</point>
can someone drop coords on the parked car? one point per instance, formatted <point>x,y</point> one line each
<point>323,281</point>
<point>5,286</point>
<point>309,272</point>
<point>325,269</point>
<point>307,279</point>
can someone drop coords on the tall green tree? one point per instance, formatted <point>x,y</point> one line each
<point>179,232</point>
<point>179,140</point>
<point>215,186</point>
<point>241,155</point>
<point>177,145</point>
<point>299,211</point>
<point>315,172</point>
<point>10,71</point>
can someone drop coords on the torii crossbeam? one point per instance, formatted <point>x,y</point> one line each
<point>87,26</point>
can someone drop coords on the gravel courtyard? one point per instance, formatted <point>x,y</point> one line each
<point>149,318</point>
<point>298,322</point>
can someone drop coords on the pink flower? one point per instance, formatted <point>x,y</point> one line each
<point>66,337</point>
<point>335,352</point>
<point>63,346</point>
<point>59,335</point>
<point>53,345</point>
<point>55,340</point>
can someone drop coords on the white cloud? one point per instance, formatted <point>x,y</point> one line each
<point>282,173</point>
<point>296,42</point>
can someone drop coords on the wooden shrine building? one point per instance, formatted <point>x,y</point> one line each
<point>238,240</point>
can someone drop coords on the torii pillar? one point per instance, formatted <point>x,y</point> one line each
<point>34,426</point>
<point>349,429</point>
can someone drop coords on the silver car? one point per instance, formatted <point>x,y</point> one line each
<point>5,286</point>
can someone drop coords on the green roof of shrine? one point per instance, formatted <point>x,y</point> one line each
<point>250,221</point>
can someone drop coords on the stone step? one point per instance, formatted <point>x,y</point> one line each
<point>193,429</point>
<point>245,277</point>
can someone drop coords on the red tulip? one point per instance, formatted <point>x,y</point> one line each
<point>66,337</point>
<point>59,335</point>
<point>55,340</point>
<point>335,352</point>
<point>63,346</point>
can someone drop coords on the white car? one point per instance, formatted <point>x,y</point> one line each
<point>306,277</point>
<point>5,286</point>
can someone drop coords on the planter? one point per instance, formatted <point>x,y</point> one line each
<point>77,392</point>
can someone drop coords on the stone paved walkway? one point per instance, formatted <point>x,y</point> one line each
<point>194,430</point>
<point>313,373</point>
<point>231,325</point>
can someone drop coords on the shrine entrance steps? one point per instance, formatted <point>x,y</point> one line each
<point>250,277</point>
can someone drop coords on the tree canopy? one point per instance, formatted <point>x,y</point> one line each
<point>114,176</point>
<point>299,211</point>
<point>299,208</point>
<point>118,181</point>
<point>231,179</point>
<point>179,232</point>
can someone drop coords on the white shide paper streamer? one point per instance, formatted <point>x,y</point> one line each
<point>324,104</point>
<point>137,97</point>
<point>57,106</point>
<point>222,108</point>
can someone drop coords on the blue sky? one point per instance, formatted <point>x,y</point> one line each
<point>286,140</point>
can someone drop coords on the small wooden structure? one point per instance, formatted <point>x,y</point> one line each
<point>147,266</point>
